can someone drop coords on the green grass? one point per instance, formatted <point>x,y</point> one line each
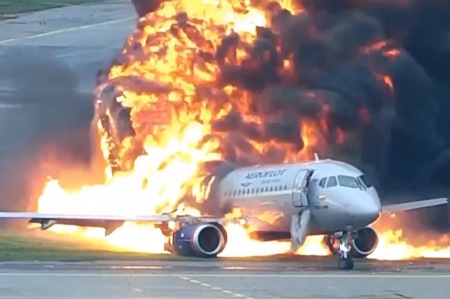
<point>43,246</point>
<point>9,7</point>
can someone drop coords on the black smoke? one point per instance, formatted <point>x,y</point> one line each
<point>415,143</point>
<point>405,138</point>
<point>45,125</point>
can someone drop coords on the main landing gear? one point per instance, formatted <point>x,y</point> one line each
<point>345,261</point>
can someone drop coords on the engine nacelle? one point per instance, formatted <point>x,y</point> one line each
<point>200,240</point>
<point>365,243</point>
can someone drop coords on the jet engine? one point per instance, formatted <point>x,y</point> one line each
<point>364,243</point>
<point>201,240</point>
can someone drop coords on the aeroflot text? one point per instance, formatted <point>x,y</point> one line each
<point>265,174</point>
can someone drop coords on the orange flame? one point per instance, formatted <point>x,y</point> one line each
<point>172,113</point>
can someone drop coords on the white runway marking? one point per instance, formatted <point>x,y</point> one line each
<point>76,53</point>
<point>215,288</point>
<point>64,30</point>
<point>227,275</point>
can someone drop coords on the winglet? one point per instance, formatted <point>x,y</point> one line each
<point>316,157</point>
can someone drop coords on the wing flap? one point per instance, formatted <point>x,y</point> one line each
<point>414,205</point>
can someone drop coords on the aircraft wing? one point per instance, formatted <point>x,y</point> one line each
<point>62,217</point>
<point>108,222</point>
<point>414,205</point>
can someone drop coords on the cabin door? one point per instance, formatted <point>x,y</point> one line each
<point>300,188</point>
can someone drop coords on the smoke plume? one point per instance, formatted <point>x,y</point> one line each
<point>45,125</point>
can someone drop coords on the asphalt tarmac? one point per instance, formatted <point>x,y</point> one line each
<point>299,278</point>
<point>83,37</point>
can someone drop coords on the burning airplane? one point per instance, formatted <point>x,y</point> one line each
<point>204,88</point>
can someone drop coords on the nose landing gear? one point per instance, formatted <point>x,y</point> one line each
<point>345,261</point>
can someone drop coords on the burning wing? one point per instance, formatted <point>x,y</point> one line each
<point>109,222</point>
<point>60,217</point>
<point>414,205</point>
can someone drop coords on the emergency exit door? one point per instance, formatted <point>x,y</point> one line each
<point>300,188</point>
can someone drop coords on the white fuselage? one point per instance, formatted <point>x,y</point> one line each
<point>336,193</point>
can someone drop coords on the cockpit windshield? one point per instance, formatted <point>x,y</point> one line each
<point>348,181</point>
<point>365,181</point>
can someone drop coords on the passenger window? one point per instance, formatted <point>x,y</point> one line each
<point>332,182</point>
<point>285,187</point>
<point>322,182</point>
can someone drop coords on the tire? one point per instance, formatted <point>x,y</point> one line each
<point>345,264</point>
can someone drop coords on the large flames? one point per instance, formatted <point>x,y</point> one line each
<point>178,91</point>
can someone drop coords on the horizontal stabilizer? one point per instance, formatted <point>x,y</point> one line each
<point>414,205</point>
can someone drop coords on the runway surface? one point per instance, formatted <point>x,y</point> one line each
<point>218,279</point>
<point>84,37</point>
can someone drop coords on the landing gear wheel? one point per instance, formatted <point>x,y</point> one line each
<point>346,264</point>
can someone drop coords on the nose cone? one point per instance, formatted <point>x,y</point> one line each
<point>366,211</point>
<point>370,210</point>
